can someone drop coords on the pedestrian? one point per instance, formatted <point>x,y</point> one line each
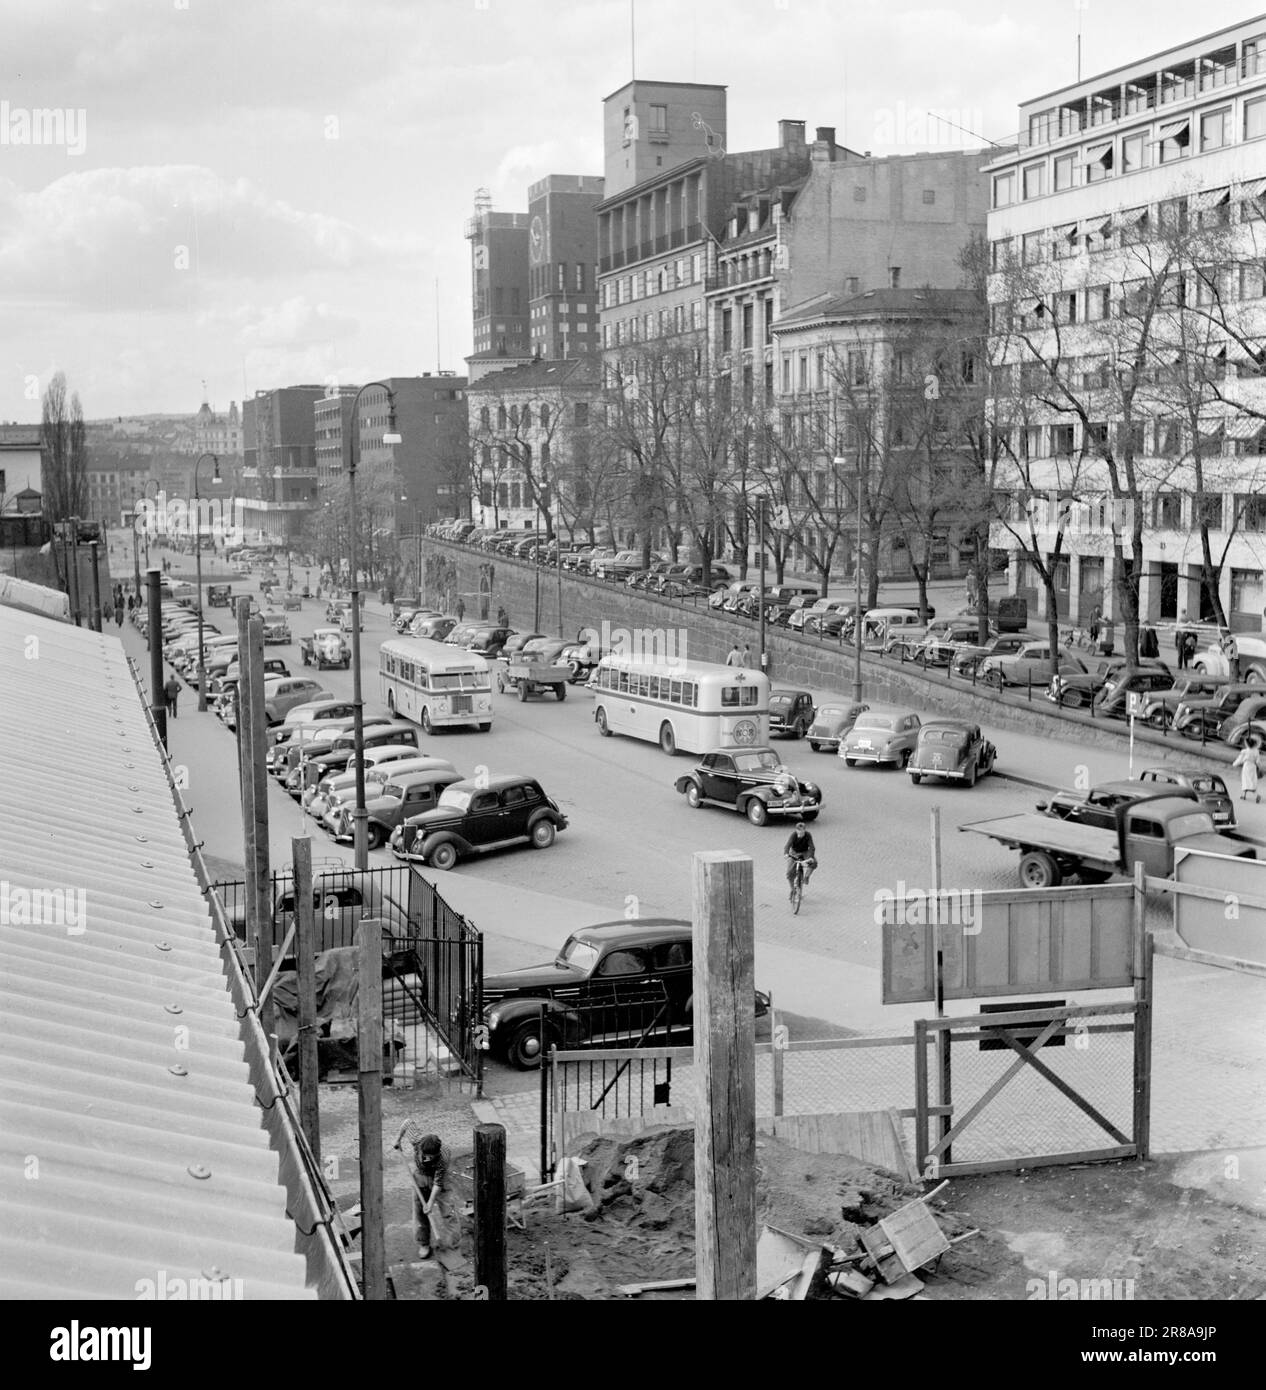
<point>1094,628</point>
<point>735,657</point>
<point>460,609</point>
<point>1188,649</point>
<point>118,612</point>
<point>1180,646</point>
<point>435,1220</point>
<point>1248,761</point>
<point>972,590</point>
<point>171,692</point>
<point>746,659</point>
<point>1231,651</point>
<point>1149,647</point>
<point>503,618</point>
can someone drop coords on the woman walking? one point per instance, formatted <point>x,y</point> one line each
<point>1248,762</point>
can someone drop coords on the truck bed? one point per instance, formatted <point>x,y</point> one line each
<point>1028,828</point>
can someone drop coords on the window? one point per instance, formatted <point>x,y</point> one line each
<point>1255,119</point>
<point>819,369</point>
<point>1062,441</point>
<point>1065,172</point>
<point>1169,511</point>
<point>1215,129</point>
<point>727,330</point>
<point>857,368</point>
<point>802,363</point>
<point>1206,510</point>
<point>1064,242</point>
<point>1097,436</point>
<point>786,372</point>
<point>1098,161</point>
<point>1031,248</point>
<point>1174,140</point>
<point>1097,299</point>
<point>581,414</point>
<point>853,284</point>
<point>1246,588</point>
<point>659,120</point>
<point>1253,281</point>
<point>1035,181</point>
<point>894,277</point>
<point>1003,190</point>
<point>998,254</point>
<point>1173,215</point>
<point>767,310</point>
<point>929,196</point>
<point>1133,153</point>
<point>749,319</point>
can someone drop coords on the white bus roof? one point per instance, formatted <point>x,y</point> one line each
<point>435,655</point>
<point>682,670</point>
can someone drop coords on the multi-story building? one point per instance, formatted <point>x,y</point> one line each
<point>563,264</point>
<point>532,444</point>
<point>217,434</point>
<point>279,470</point>
<point>21,486</point>
<point>1126,233</point>
<point>499,280</point>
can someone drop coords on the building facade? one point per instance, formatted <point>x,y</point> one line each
<point>563,264</point>
<point>217,434</point>
<point>1126,235</point>
<point>499,280</point>
<point>279,467</point>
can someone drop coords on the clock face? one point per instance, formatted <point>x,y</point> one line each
<point>536,234</point>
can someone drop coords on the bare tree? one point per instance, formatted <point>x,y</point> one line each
<point>65,483</point>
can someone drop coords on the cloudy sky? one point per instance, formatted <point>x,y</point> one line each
<point>262,192</point>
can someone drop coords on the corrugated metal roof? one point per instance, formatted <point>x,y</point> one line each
<point>132,1147</point>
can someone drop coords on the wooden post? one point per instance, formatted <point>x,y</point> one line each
<point>305,929</point>
<point>154,621</point>
<point>921,1096</point>
<point>94,618</point>
<point>725,1076</point>
<point>777,1058</point>
<point>943,1039</point>
<point>490,1209</point>
<point>369,1065</point>
<point>258,879</point>
<point>1143,946</point>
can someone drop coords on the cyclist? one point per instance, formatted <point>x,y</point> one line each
<point>799,848</point>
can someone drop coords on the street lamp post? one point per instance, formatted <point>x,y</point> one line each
<point>760,646</point>
<point>197,561</point>
<point>360,816</point>
<point>137,496</point>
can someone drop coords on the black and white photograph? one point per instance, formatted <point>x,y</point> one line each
<point>633,667</point>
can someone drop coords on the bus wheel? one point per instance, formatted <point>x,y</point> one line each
<point>601,718</point>
<point>667,739</point>
<point>426,721</point>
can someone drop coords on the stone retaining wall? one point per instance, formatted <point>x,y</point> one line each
<point>702,634</point>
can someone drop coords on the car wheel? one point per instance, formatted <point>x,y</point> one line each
<point>971,776</point>
<point>993,679</point>
<point>694,797</point>
<point>1093,875</point>
<point>543,834</point>
<point>817,747</point>
<point>426,722</point>
<point>1039,870</point>
<point>373,836</point>
<point>443,856</point>
<point>1254,676</point>
<point>1073,699</point>
<point>756,812</point>
<point>523,1051</point>
<point>667,739</point>
<point>601,720</point>
<point>809,815</point>
<point>483,728</point>
<point>523,692</point>
<point>850,762</point>
<point>561,690</point>
<point>916,778</point>
<point>1157,719</point>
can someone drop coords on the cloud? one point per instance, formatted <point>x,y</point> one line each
<point>158,237</point>
<point>294,321</point>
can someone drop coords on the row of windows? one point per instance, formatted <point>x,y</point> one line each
<point>672,275</point>
<point>663,688</point>
<point>415,674</point>
<point>1101,159</point>
<point>681,318</point>
<point>746,338</point>
<point>514,416</point>
<point>1156,438</point>
<point>816,370</point>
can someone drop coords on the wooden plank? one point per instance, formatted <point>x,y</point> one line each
<point>916,1238</point>
<point>309,1066</point>
<point>1061,1085</point>
<point>920,1095</point>
<point>1143,1054</point>
<point>490,1210</point>
<point>369,1104</point>
<point>1011,1165</point>
<point>725,1076</point>
<point>1027,1016</point>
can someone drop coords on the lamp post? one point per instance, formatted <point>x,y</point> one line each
<point>197,561</point>
<point>360,816</point>
<point>857,611</point>
<point>137,496</point>
<point>760,645</point>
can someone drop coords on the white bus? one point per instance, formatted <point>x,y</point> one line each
<point>434,684</point>
<point>692,706</point>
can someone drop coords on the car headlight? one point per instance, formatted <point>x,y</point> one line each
<point>494,1018</point>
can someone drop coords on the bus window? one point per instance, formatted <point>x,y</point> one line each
<point>674,692</point>
<point>690,694</point>
<point>729,696</point>
<point>623,686</point>
<point>751,696</point>
<point>655,688</point>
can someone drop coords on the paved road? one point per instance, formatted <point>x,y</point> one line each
<point>632,836</point>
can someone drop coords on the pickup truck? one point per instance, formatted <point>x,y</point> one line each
<point>1147,831</point>
<point>326,647</point>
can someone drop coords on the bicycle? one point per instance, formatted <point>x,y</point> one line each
<point>797,885</point>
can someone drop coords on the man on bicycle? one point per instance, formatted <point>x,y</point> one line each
<point>799,849</point>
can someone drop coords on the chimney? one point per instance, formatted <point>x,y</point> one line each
<point>827,133</point>
<point>790,134</point>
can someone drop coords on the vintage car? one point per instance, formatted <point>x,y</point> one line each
<point>953,750</point>
<point>790,713</point>
<point>276,628</point>
<point>325,647</point>
<point>402,795</point>
<point>338,784</point>
<point>1098,806</point>
<point>476,816</point>
<point>831,722</point>
<point>611,983</point>
<point>342,753</point>
<point>1208,786</point>
<point>292,601</point>
<point>219,595</point>
<point>335,608</point>
<point>752,781</point>
<point>881,736</point>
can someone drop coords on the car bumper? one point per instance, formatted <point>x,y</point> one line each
<point>796,808</point>
<point>873,755</point>
<point>830,741</point>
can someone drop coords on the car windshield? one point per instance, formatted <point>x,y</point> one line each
<point>456,798</point>
<point>875,721</point>
<point>1194,823</point>
<point>1208,786</point>
<point>580,955</point>
<point>780,699</point>
<point>955,737</point>
<point>831,712</point>
<point>756,762</point>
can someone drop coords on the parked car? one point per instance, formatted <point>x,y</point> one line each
<point>276,628</point>
<point>405,617</point>
<point>219,595</point>
<point>582,656</point>
<point>790,713</point>
<point>1208,786</point>
<point>944,639</point>
<point>515,643</point>
<point>1112,701</point>
<point>619,566</point>
<point>1159,706</point>
<point>881,736</point>
<point>613,982</point>
<point>335,609</point>
<point>1202,716</point>
<point>402,795</point>
<point>1076,691</point>
<point>431,628</point>
<point>489,641</point>
<point>477,816</point>
<point>1098,806</point>
<point>1031,664</point>
<point>339,783</point>
<point>969,660</point>
<point>285,693</point>
<point>831,722</point>
<point>752,781</point>
<point>1247,720</point>
<point>952,749</point>
<point>326,647</point>
<point>342,752</point>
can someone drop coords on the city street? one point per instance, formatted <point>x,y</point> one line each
<point>628,849</point>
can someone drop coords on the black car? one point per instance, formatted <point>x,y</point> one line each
<point>790,713</point>
<point>477,815</point>
<point>611,983</point>
<point>753,782</point>
<point>1075,690</point>
<point>1098,806</point>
